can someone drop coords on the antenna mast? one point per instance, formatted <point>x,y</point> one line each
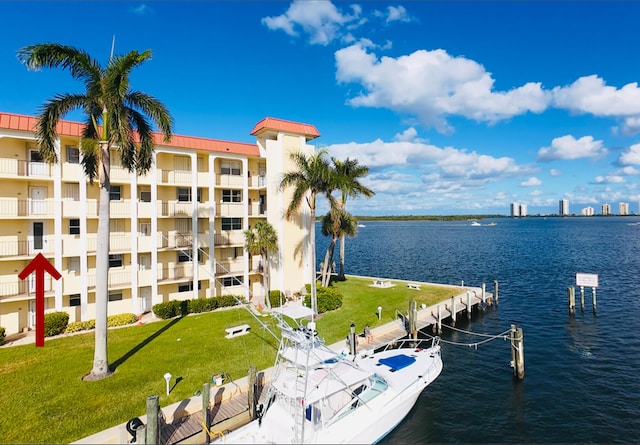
<point>113,44</point>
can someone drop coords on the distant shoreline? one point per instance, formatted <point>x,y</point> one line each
<point>468,217</point>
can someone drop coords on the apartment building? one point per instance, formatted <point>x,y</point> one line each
<point>176,233</point>
<point>563,207</point>
<point>623,208</point>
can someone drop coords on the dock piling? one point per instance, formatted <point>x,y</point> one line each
<point>252,392</point>
<point>495,290</point>
<point>593,297</point>
<point>453,310</point>
<point>439,319</point>
<point>413,319</point>
<point>571,292</point>
<point>517,352</point>
<point>469,305</point>
<point>153,411</point>
<point>582,298</point>
<point>206,418</point>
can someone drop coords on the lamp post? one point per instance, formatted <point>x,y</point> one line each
<point>167,378</point>
<point>379,312</point>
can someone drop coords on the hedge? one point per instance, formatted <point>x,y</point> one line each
<point>2,335</point>
<point>55,323</point>
<point>175,308</point>
<point>328,298</point>
<point>112,321</point>
<point>275,298</point>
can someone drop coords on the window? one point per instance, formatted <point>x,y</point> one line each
<point>232,281</point>
<point>188,287</point>
<point>72,192</point>
<point>145,228</point>
<point>183,225</point>
<point>73,155</point>
<point>183,257</point>
<point>145,195</point>
<point>115,260</point>
<point>230,168</point>
<point>232,196</point>
<point>114,193</point>
<point>116,226</point>
<point>74,300</point>
<point>73,264</point>
<point>115,295</point>
<point>144,261</point>
<point>74,227</point>
<point>184,194</point>
<point>231,223</point>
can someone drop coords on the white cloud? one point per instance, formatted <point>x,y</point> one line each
<point>631,156</point>
<point>408,135</point>
<point>555,172</point>
<point>590,94</point>
<point>609,179</point>
<point>141,9</point>
<point>531,182</point>
<point>320,20</point>
<point>397,14</point>
<point>568,147</point>
<point>433,85</point>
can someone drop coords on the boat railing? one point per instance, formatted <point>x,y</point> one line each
<point>423,343</point>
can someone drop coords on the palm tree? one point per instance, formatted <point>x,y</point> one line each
<point>348,172</point>
<point>116,117</point>
<point>336,223</point>
<point>262,239</point>
<point>312,176</point>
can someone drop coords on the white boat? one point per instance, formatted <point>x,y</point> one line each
<point>320,396</point>
<point>475,223</point>
<point>361,225</point>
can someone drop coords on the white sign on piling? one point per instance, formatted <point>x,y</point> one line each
<point>587,279</point>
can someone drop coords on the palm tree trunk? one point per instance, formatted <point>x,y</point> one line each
<point>100,359</point>
<point>341,273</point>
<point>312,238</point>
<point>326,266</point>
<point>265,278</point>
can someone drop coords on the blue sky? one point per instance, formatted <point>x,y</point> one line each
<point>455,107</point>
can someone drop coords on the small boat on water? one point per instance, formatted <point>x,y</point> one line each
<point>492,224</point>
<point>320,396</point>
<point>361,225</point>
<point>475,224</point>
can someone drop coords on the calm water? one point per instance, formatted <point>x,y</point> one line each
<point>582,373</point>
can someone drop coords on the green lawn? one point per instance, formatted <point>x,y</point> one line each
<point>43,398</point>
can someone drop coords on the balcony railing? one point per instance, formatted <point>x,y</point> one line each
<point>230,238</point>
<point>22,168</point>
<point>23,247</point>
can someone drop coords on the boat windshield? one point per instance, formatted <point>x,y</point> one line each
<point>353,398</point>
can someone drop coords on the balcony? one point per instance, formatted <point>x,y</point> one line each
<point>258,182</point>
<point>182,208</point>
<point>230,209</point>
<point>17,208</point>
<point>24,169</point>
<point>236,181</point>
<point>229,238</point>
<point>234,267</point>
<point>14,247</point>
<point>174,177</point>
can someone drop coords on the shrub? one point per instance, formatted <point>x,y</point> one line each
<point>55,323</point>
<point>198,305</point>
<point>2,335</point>
<point>78,326</point>
<point>229,300</point>
<point>275,298</point>
<point>329,299</point>
<point>171,309</point>
<point>121,320</point>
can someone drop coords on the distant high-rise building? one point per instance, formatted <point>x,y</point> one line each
<point>563,208</point>
<point>623,208</point>
<point>518,209</point>
<point>606,209</point>
<point>587,211</point>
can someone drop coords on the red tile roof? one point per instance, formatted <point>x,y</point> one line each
<point>67,128</point>
<point>271,123</point>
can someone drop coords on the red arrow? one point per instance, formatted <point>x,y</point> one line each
<point>39,265</point>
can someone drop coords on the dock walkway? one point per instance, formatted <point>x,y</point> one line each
<point>230,409</point>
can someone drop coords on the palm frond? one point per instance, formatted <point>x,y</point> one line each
<point>52,55</point>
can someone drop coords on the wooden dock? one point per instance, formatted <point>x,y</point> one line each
<point>224,414</point>
<point>232,412</point>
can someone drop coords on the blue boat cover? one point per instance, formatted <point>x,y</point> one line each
<point>397,362</point>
